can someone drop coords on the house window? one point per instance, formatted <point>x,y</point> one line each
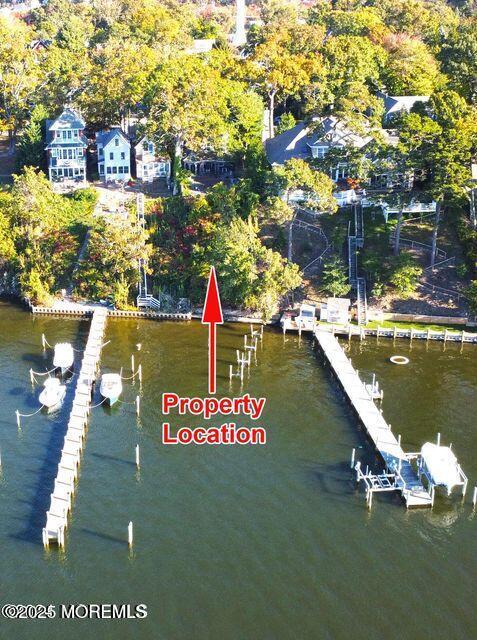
<point>145,145</point>
<point>111,156</point>
<point>319,152</point>
<point>123,155</point>
<point>116,142</point>
<point>101,169</point>
<point>108,169</point>
<point>69,135</point>
<point>64,135</point>
<point>151,147</point>
<point>115,169</point>
<point>75,133</point>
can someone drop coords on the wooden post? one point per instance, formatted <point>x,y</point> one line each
<point>394,332</point>
<point>138,461</point>
<point>474,497</point>
<point>139,372</point>
<point>438,439</point>
<point>445,335</point>
<point>32,378</point>
<point>238,356</point>
<point>245,341</point>
<point>43,341</point>
<point>399,439</point>
<point>412,333</point>
<point>230,372</point>
<point>353,453</point>
<point>463,336</point>
<point>428,334</point>
<point>138,404</point>
<point>130,534</point>
<point>17,413</point>
<point>132,364</point>
<point>44,537</point>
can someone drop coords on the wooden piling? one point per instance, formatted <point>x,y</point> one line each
<point>353,453</point>
<point>138,462</point>
<point>130,534</point>
<point>138,404</point>
<point>474,497</point>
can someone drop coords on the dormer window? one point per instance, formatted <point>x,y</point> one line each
<point>116,142</point>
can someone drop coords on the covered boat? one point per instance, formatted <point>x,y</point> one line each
<point>64,356</point>
<point>440,466</point>
<point>52,394</point>
<point>111,387</point>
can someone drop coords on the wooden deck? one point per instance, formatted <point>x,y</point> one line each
<point>395,459</point>
<point>64,488</point>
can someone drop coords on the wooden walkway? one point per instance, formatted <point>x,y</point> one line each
<point>396,461</point>
<point>64,488</point>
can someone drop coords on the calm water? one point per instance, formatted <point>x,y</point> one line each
<point>237,543</point>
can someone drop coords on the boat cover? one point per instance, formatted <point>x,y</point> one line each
<point>441,464</point>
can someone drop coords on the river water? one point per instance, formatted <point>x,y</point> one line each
<point>237,543</point>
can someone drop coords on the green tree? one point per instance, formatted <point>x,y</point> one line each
<point>31,141</point>
<point>250,275</point>
<point>405,274</point>
<point>19,72</point>
<point>318,187</point>
<point>285,122</point>
<point>110,269</point>
<point>411,69</point>
<point>334,279</point>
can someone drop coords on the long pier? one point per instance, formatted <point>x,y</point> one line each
<point>64,488</point>
<point>400,476</point>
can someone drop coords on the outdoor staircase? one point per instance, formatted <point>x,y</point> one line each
<point>148,301</point>
<point>352,261</point>
<point>359,224</point>
<point>361,301</point>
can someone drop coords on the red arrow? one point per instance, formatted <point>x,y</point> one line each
<point>212,315</point>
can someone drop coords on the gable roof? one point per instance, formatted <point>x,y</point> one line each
<point>287,145</point>
<point>69,119</point>
<point>396,104</point>
<point>297,141</point>
<point>332,132</point>
<point>105,137</point>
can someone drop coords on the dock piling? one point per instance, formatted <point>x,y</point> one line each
<point>138,462</point>
<point>474,497</point>
<point>132,363</point>
<point>130,534</point>
<point>138,405</point>
<point>43,341</point>
<point>17,413</point>
<point>353,453</point>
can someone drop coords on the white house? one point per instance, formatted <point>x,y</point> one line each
<point>149,164</point>
<point>66,149</point>
<point>114,155</point>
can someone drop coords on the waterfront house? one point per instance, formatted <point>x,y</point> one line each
<point>207,163</point>
<point>66,149</point>
<point>314,140</point>
<point>150,165</point>
<point>114,155</point>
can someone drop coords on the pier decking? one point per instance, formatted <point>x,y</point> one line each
<point>401,475</point>
<point>64,488</point>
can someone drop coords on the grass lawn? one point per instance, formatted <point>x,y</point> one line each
<point>389,324</point>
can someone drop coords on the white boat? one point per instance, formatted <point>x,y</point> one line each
<point>303,320</point>
<point>52,394</point>
<point>111,387</point>
<point>63,357</point>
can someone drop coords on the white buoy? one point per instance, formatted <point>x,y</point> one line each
<point>130,534</point>
<point>138,462</point>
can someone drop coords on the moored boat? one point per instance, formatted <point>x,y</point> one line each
<point>63,357</point>
<point>111,387</point>
<point>52,394</point>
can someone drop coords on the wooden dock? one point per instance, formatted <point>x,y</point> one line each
<point>64,488</point>
<point>401,475</point>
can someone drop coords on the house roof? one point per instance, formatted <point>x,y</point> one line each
<point>289,144</point>
<point>333,132</point>
<point>395,104</point>
<point>69,119</point>
<point>296,142</point>
<point>105,137</point>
